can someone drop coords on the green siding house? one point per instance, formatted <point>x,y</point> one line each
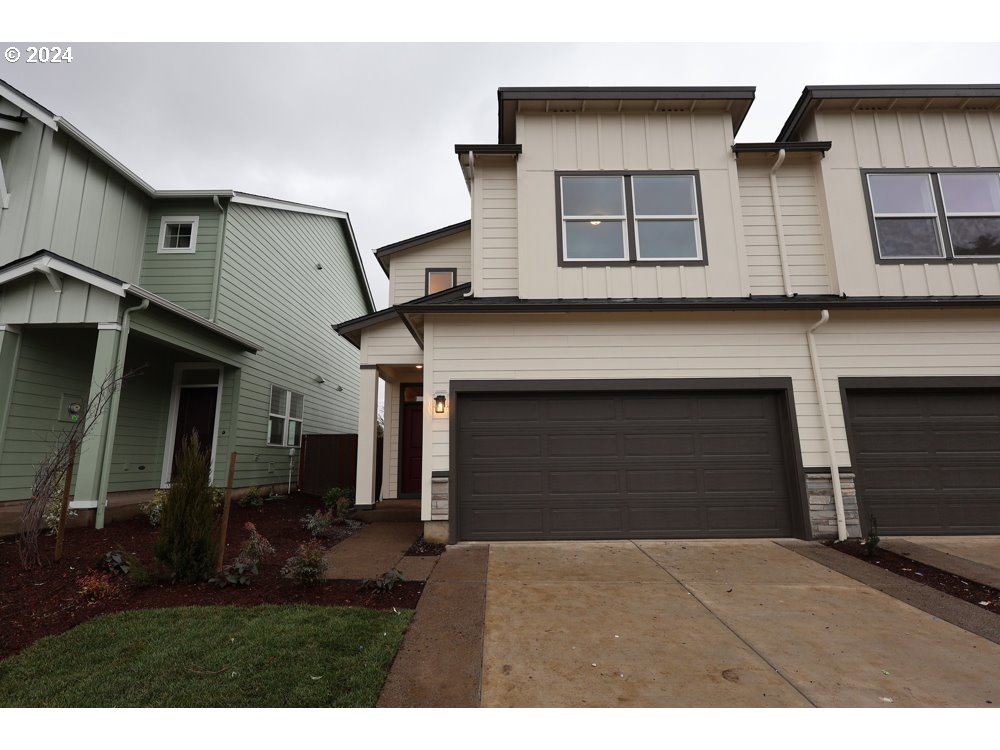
<point>222,300</point>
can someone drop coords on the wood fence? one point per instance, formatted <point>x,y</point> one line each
<point>332,461</point>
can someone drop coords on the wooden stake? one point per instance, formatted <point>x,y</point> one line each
<point>64,508</point>
<point>225,511</point>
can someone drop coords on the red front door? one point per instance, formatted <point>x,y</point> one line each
<point>411,448</point>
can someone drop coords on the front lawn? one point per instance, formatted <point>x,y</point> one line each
<point>266,656</point>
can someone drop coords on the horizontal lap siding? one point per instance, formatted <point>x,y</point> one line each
<point>407,268</point>
<point>804,231</point>
<point>877,140</point>
<point>389,343</point>
<point>495,189</point>
<point>184,278</point>
<point>272,293</point>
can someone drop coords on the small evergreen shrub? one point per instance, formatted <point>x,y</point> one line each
<point>256,549</point>
<point>252,497</point>
<point>308,564</point>
<point>187,541</point>
<point>339,500</point>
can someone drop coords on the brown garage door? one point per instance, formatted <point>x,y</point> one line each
<point>622,465</point>
<point>927,461</point>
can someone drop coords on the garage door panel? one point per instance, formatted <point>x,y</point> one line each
<point>484,412</point>
<point>620,465</point>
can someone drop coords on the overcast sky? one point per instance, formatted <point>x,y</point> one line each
<point>370,128</point>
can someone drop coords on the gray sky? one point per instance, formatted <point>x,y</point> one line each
<point>370,128</point>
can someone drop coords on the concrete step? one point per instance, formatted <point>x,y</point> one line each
<point>390,510</point>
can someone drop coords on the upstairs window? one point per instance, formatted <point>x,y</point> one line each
<point>438,280</point>
<point>934,216</point>
<point>178,234</point>
<point>630,218</point>
<point>284,424</point>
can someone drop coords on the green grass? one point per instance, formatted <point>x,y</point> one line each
<point>270,656</point>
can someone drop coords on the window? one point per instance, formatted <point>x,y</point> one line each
<point>285,417</point>
<point>928,216</point>
<point>438,279</point>
<point>649,217</point>
<point>178,234</point>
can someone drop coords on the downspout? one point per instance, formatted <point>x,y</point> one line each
<point>838,494</point>
<point>109,444</point>
<point>218,259</point>
<point>472,235</point>
<point>779,224</point>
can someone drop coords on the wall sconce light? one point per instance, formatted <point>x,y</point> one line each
<point>439,402</point>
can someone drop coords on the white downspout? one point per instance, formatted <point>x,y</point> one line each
<point>838,494</point>
<point>779,224</point>
<point>472,234</point>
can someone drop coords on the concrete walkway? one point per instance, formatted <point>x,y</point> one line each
<point>745,623</point>
<point>376,548</point>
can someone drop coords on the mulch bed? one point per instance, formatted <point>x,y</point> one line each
<point>421,548</point>
<point>942,580</point>
<point>48,601</point>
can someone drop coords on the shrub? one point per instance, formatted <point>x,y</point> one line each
<point>385,582</point>
<point>153,508</point>
<point>54,507</point>
<point>308,564</point>
<point>872,540</point>
<point>115,562</point>
<point>255,549</point>
<point>235,574</point>
<point>318,523</point>
<point>187,541</point>
<point>96,586</point>
<point>252,497</point>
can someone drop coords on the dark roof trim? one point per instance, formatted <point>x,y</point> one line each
<point>488,148</point>
<point>507,98</point>
<point>812,302</point>
<point>420,239</point>
<point>787,146</point>
<point>812,94</point>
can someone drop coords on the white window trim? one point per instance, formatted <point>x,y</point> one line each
<point>192,220</point>
<point>964,214</point>
<point>580,218</point>
<point>287,417</point>
<point>175,398</point>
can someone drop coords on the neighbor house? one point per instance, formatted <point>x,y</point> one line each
<point>651,330</point>
<point>221,300</point>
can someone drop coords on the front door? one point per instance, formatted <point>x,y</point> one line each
<point>411,440</point>
<point>197,400</point>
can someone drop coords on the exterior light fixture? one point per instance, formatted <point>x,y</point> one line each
<point>439,402</point>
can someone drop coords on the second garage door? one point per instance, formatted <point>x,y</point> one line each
<point>622,465</point>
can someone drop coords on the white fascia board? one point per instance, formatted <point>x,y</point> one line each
<point>192,193</point>
<point>34,109</point>
<point>47,265</point>
<point>302,208</point>
<point>67,127</point>
<point>176,309</point>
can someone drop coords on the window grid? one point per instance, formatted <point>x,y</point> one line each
<point>622,219</point>
<point>284,422</point>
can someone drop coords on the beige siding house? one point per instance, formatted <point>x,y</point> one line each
<point>649,329</point>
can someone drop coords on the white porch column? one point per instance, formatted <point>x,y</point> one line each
<point>367,437</point>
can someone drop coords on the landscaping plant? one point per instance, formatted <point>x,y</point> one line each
<point>97,586</point>
<point>115,562</point>
<point>235,574</point>
<point>153,508</point>
<point>256,549</point>
<point>252,497</point>
<point>308,564</point>
<point>385,582</point>
<point>872,540</point>
<point>188,538</point>
<point>338,500</point>
<point>319,522</point>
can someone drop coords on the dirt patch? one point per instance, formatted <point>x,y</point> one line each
<point>421,548</point>
<point>984,597</point>
<point>53,599</point>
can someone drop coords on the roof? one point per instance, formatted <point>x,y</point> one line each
<point>420,239</point>
<point>786,146</point>
<point>50,263</point>
<point>351,329</point>
<point>813,95</point>
<point>61,124</point>
<point>487,149</point>
<point>509,98</point>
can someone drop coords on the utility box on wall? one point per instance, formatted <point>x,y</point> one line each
<point>70,408</point>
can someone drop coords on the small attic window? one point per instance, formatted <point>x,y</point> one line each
<point>178,234</point>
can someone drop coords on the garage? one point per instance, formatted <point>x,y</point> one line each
<point>927,460</point>
<point>623,464</point>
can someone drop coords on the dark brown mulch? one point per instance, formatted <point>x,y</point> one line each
<point>961,588</point>
<point>421,548</point>
<point>48,601</point>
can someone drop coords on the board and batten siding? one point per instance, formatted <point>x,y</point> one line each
<point>407,280</point>
<point>31,299</point>
<point>494,224</point>
<point>272,293</point>
<point>52,362</point>
<point>80,209</point>
<point>186,279</point>
<point>877,140</point>
<point>803,219</point>
<point>707,345</point>
<point>637,142</point>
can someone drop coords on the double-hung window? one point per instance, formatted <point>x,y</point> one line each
<point>926,216</point>
<point>609,218</point>
<point>284,423</point>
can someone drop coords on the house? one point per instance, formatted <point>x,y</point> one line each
<point>223,299</point>
<point>649,329</point>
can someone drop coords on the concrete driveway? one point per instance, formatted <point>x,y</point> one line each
<point>712,623</point>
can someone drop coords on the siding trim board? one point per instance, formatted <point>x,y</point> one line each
<point>782,387</point>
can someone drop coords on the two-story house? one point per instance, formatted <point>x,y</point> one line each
<point>651,330</point>
<point>222,299</point>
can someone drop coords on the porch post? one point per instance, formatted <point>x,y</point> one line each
<point>10,346</point>
<point>88,474</point>
<point>367,437</point>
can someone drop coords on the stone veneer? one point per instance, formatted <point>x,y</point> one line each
<point>439,498</point>
<point>822,512</point>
